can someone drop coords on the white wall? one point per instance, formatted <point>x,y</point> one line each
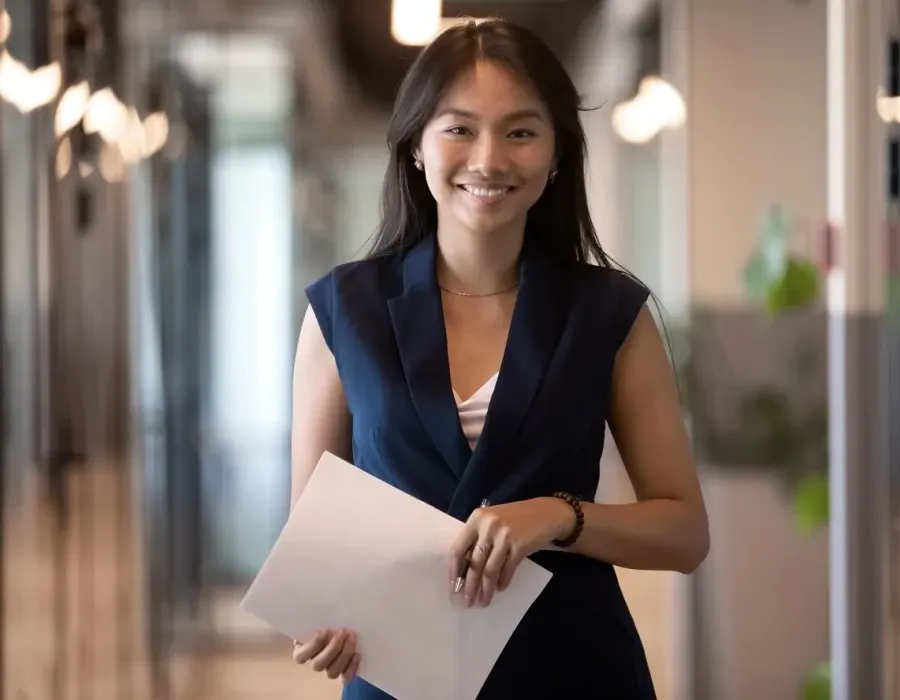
<point>765,593</point>
<point>753,74</point>
<point>756,129</point>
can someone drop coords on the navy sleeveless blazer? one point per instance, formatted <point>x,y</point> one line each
<point>382,318</point>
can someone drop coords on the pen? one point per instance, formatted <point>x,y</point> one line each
<point>464,567</point>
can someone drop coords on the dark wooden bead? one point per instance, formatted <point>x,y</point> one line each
<point>575,504</point>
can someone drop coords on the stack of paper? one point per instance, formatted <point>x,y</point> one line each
<point>360,554</point>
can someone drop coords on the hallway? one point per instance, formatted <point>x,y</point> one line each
<point>174,173</point>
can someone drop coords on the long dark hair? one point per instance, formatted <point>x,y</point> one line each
<point>560,220</point>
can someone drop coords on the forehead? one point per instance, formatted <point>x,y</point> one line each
<point>490,90</point>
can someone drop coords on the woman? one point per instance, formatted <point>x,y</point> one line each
<point>476,356</point>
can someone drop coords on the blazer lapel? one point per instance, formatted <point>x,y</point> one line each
<point>534,332</point>
<point>418,319</point>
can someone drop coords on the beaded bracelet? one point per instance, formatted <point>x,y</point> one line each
<point>575,503</point>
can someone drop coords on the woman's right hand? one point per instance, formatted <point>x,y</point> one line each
<point>332,651</point>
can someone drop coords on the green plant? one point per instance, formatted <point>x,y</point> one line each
<point>811,503</point>
<point>817,685</point>
<point>774,276</point>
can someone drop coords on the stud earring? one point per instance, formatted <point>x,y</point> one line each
<point>553,176</point>
<point>419,164</point>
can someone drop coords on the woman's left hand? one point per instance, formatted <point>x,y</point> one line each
<point>497,538</point>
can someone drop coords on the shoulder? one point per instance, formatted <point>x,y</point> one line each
<point>351,287</point>
<point>359,278</point>
<point>609,295</point>
<point>359,274</point>
<point>594,279</point>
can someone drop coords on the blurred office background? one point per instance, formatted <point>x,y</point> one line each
<point>175,171</point>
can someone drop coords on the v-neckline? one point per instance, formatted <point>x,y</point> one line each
<point>491,382</point>
<point>416,313</point>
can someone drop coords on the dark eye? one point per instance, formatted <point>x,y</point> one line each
<point>522,134</point>
<point>458,131</point>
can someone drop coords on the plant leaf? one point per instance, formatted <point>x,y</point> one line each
<point>774,242</point>
<point>776,223</point>
<point>798,287</point>
<point>756,279</point>
<point>811,503</point>
<point>817,685</point>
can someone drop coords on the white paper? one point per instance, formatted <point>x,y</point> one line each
<point>361,554</point>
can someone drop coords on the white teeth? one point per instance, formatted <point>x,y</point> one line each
<point>486,192</point>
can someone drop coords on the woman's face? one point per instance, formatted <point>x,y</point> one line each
<point>488,151</point>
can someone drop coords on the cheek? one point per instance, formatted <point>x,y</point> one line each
<point>535,162</point>
<point>439,172</point>
<point>440,188</point>
<point>537,178</point>
<point>435,175</point>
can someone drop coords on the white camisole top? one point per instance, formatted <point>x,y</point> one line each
<point>473,410</point>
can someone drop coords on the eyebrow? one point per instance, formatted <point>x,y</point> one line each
<point>515,116</point>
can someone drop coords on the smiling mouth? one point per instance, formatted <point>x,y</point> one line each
<point>486,195</point>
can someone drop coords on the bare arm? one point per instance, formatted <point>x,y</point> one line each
<point>667,529</point>
<point>321,421</point>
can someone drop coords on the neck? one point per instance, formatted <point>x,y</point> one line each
<point>482,263</point>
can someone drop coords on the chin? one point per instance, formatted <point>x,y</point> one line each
<point>490,224</point>
<point>490,220</point>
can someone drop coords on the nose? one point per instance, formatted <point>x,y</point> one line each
<point>488,157</point>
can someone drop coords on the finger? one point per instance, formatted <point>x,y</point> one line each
<point>493,568</point>
<point>326,657</point>
<point>459,552</point>
<point>352,669</point>
<point>304,651</point>
<point>477,562</point>
<point>509,568</point>
<point>339,665</point>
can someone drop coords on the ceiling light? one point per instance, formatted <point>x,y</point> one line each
<point>416,22</point>
<point>658,105</point>
<point>888,107</point>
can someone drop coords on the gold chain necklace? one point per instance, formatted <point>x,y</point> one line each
<point>473,294</point>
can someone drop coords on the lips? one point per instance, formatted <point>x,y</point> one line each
<point>487,194</point>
